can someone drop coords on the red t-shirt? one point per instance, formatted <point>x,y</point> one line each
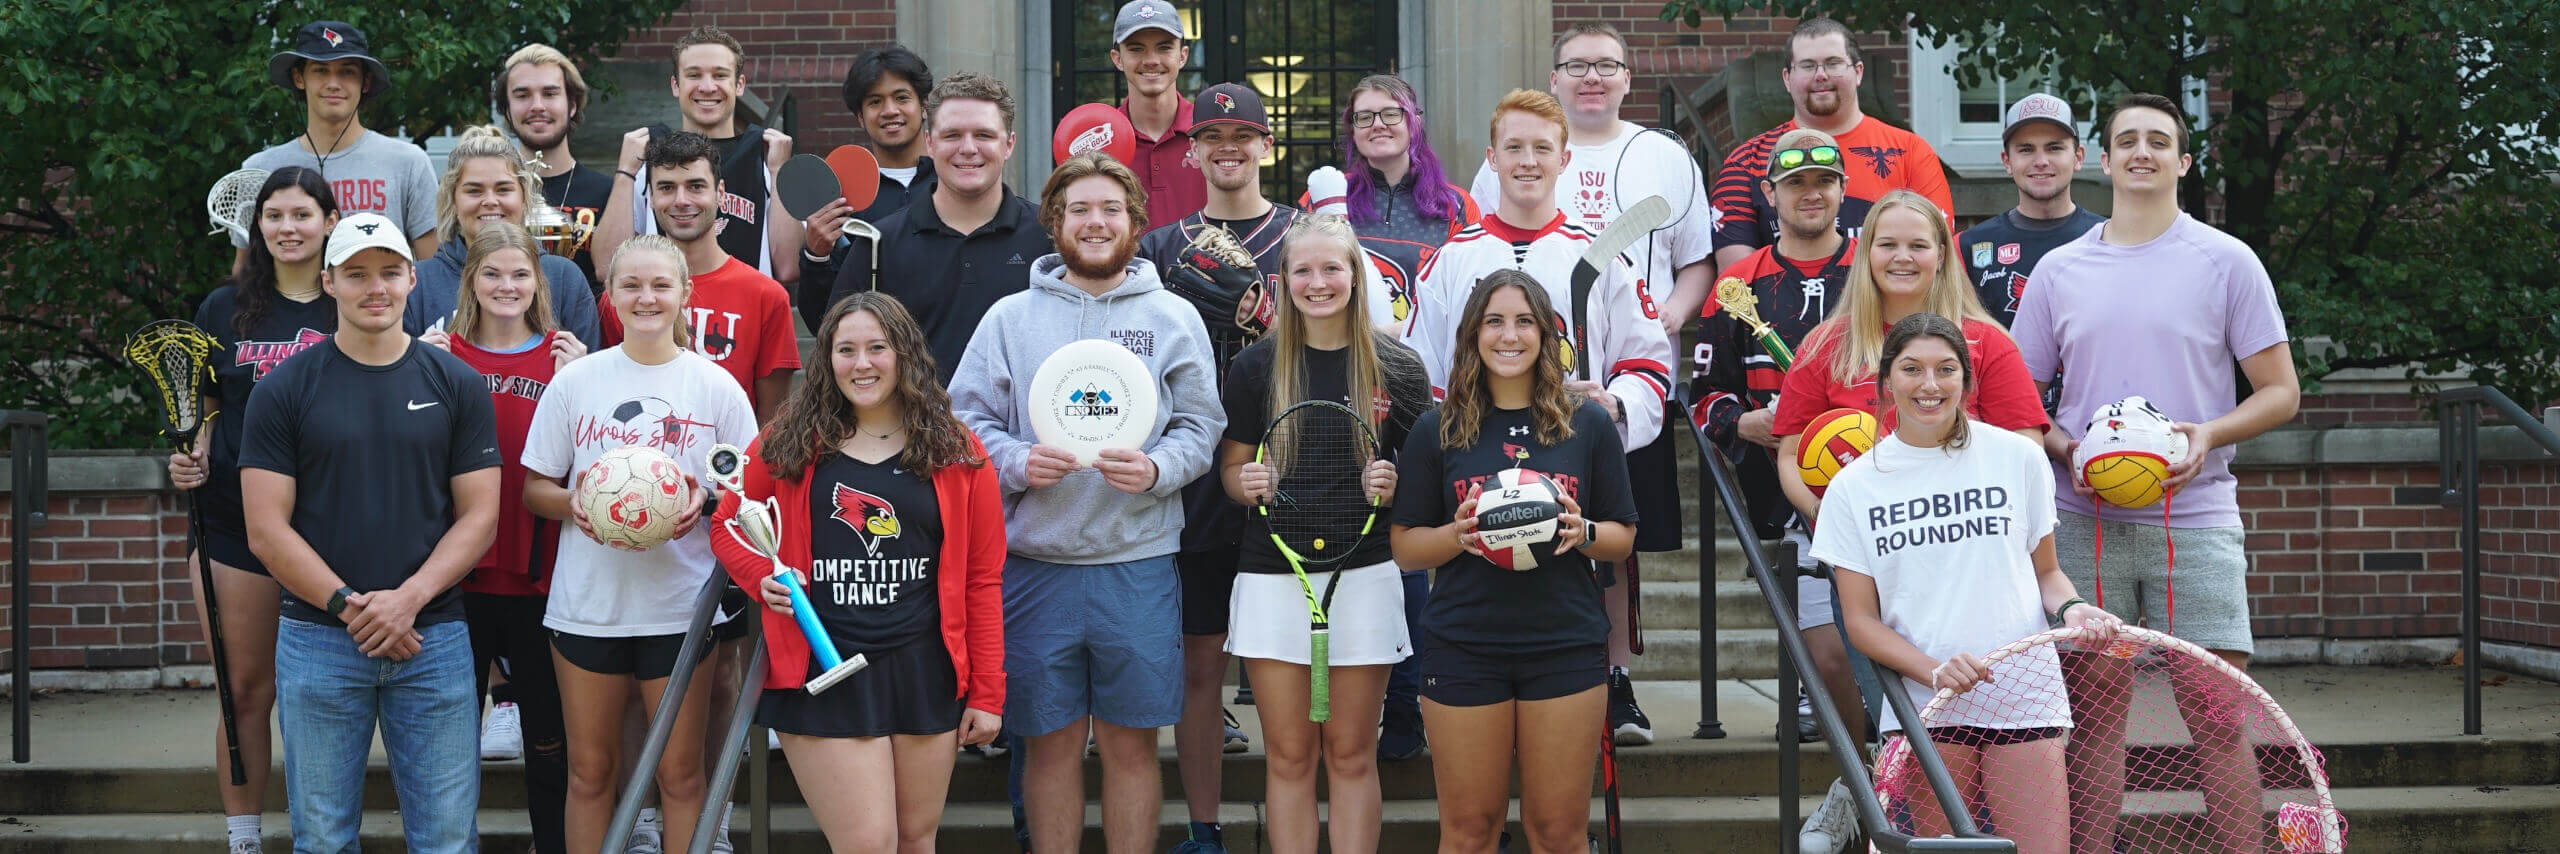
<point>519,561</point>
<point>741,321</point>
<point>2003,396</point>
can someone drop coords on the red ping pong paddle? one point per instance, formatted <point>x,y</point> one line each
<point>857,174</point>
<point>1095,127</point>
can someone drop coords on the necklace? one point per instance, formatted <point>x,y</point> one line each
<point>303,295</point>
<point>321,161</point>
<point>857,426</point>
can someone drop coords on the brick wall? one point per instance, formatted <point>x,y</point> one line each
<point>1686,56</point>
<point>109,585</point>
<point>802,46</point>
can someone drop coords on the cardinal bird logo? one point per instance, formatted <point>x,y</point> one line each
<point>332,36</point>
<point>871,517</point>
<point>1226,103</point>
<point>1515,452</point>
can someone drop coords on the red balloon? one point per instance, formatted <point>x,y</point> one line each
<point>1095,127</point>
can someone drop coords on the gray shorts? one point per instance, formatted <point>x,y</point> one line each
<point>1103,640</point>
<point>2210,578</point>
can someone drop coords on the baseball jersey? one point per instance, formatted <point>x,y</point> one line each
<point>2001,252</point>
<point>741,321</point>
<point>1210,519</point>
<point>1630,355</point>
<point>1601,180</point>
<point>519,560</point>
<point>1878,157</point>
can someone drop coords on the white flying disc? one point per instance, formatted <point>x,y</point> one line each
<point>1092,395</point>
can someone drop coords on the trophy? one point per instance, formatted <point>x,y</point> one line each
<point>758,526</point>
<point>1735,295</point>
<point>559,233</point>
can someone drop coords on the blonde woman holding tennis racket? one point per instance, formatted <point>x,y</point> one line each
<point>1943,538</point>
<point>1326,548</point>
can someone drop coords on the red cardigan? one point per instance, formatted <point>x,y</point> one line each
<point>970,584</point>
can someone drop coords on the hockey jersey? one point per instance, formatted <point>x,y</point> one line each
<point>1630,355</point>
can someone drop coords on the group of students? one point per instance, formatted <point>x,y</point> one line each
<point>402,452</point>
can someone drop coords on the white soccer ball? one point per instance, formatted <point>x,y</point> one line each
<point>632,496</point>
<point>1515,516</point>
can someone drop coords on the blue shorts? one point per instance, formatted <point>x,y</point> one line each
<point>1103,640</point>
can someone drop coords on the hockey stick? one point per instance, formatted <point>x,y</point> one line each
<point>1637,222</point>
<point>172,353</point>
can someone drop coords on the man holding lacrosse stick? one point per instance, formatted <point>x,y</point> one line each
<point>1225,259</point>
<point>2156,302</point>
<point>333,71</point>
<point>969,241</point>
<point>369,477</point>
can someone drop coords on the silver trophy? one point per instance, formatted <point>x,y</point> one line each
<point>758,526</point>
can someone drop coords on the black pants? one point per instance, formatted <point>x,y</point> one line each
<point>508,630</point>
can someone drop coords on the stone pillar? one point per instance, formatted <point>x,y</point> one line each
<point>1473,51</point>
<point>991,37</point>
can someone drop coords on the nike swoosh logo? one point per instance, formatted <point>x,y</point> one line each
<point>415,406</point>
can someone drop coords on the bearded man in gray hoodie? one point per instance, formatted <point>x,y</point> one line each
<point>1092,600</point>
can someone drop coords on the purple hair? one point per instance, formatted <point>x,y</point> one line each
<point>1431,190</point>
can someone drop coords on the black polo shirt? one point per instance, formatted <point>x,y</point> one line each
<point>818,278</point>
<point>946,279</point>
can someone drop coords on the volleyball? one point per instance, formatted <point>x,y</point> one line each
<point>1515,515</point>
<point>2126,454</point>
<point>1830,442</point>
<point>632,496</point>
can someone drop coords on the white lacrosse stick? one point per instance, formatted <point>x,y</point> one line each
<point>228,203</point>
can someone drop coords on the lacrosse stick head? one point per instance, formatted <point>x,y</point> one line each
<point>228,203</point>
<point>2175,750</point>
<point>173,353</point>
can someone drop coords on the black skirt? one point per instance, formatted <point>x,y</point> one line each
<point>910,690</point>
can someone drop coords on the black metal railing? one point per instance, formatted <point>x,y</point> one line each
<point>2458,469</point>
<point>27,515</point>
<point>1716,483</point>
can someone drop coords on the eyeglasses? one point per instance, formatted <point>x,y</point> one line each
<point>1832,66</point>
<point>1579,68</point>
<point>1390,116</point>
<point>1820,155</point>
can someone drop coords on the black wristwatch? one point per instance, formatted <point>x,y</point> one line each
<point>338,600</point>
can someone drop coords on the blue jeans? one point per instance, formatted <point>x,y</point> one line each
<point>329,696</point>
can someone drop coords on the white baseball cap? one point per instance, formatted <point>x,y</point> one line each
<point>364,231</point>
<point>2038,107</point>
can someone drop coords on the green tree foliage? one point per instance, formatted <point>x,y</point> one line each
<point>2393,163</point>
<point>119,116</point>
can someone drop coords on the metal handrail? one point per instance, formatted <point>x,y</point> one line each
<point>2458,469</point>
<point>617,832</point>
<point>724,772</point>
<point>1717,481</point>
<point>27,514</point>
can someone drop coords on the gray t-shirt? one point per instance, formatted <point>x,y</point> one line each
<point>379,174</point>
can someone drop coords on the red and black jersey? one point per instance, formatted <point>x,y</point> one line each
<point>1734,374</point>
<point>518,562</point>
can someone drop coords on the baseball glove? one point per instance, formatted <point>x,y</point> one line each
<point>1218,276</point>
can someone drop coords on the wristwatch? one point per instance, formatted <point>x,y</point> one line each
<point>338,600</point>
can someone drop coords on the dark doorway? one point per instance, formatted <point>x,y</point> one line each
<point>1302,55</point>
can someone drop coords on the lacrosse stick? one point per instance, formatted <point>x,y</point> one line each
<point>173,353</point>
<point>2171,750</point>
<point>227,204</point>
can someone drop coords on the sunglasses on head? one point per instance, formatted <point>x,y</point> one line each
<point>1820,155</point>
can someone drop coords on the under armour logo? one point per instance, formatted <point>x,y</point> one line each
<point>1519,431</point>
<point>367,227</point>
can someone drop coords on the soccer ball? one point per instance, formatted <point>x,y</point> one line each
<point>632,496</point>
<point>1830,442</point>
<point>1516,515</point>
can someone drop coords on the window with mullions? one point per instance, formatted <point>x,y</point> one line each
<point>1302,55</point>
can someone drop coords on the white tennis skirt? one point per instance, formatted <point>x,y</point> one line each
<point>1267,616</point>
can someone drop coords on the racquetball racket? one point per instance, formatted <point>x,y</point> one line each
<point>1318,512</point>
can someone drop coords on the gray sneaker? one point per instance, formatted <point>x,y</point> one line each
<point>646,834</point>
<point>1831,824</point>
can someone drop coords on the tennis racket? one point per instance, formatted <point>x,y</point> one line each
<point>1318,512</point>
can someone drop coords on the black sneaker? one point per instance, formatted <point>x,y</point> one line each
<point>1400,737</point>
<point>1627,723</point>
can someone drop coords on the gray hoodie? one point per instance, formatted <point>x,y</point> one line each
<point>1082,519</point>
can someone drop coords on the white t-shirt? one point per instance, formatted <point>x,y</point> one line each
<point>1949,540</point>
<point>605,401</point>
<point>904,175</point>
<point>1602,180</point>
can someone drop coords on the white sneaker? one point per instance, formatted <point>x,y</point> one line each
<point>646,835</point>
<point>1831,824</point>
<point>502,735</point>
<point>720,841</point>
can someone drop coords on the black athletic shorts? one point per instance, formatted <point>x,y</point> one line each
<point>739,609</point>
<point>1977,736</point>
<point>1455,676</point>
<point>910,690</point>
<point>1653,475</point>
<point>646,657</point>
<point>1208,580</point>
